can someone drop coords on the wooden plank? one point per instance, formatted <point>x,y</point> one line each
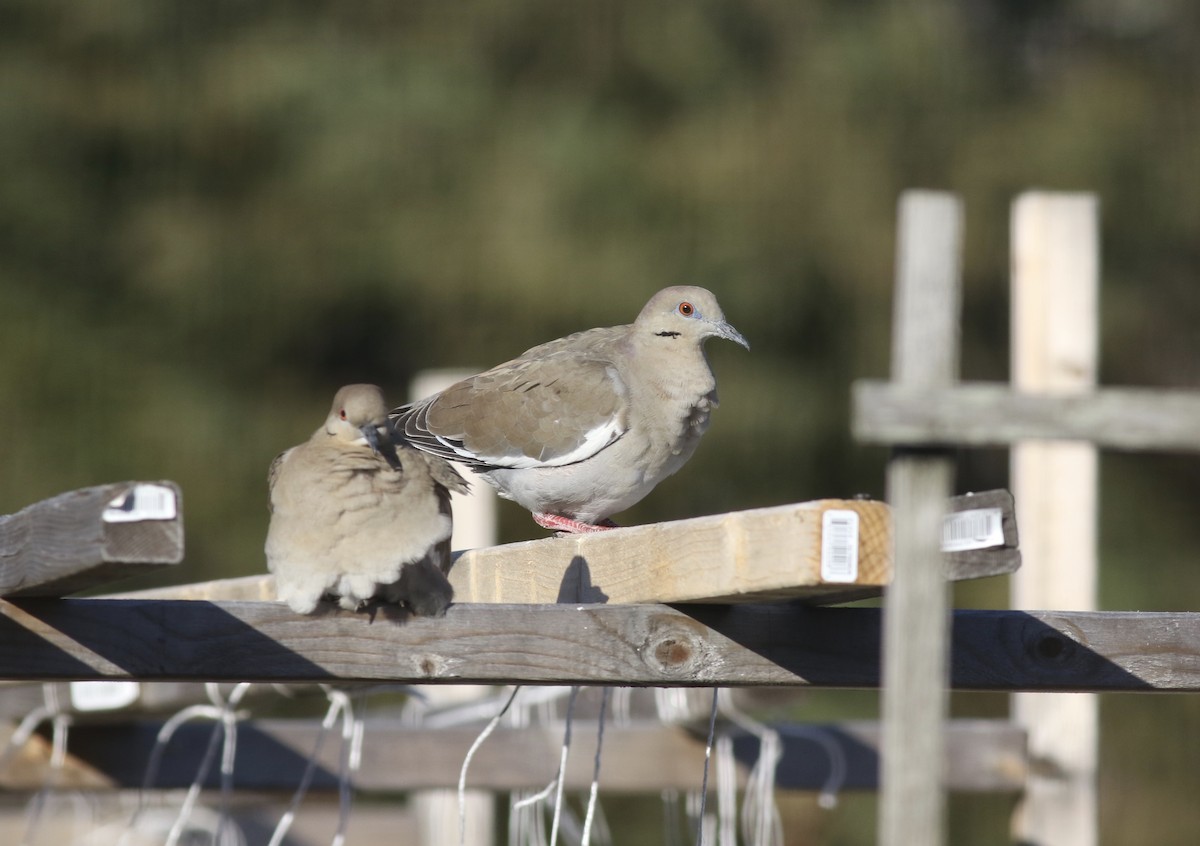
<point>924,353</point>
<point>142,701</point>
<point>550,570</point>
<point>103,818</point>
<point>985,414</point>
<point>765,553</point>
<point>632,645</point>
<point>640,757</point>
<point>79,540</point>
<point>742,556</point>
<point>990,561</point>
<point>257,588</point>
<point>1055,330</point>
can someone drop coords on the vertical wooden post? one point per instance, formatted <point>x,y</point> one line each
<point>474,527</point>
<point>1055,268</point>
<point>916,613</point>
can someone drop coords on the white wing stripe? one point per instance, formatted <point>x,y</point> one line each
<point>594,441</point>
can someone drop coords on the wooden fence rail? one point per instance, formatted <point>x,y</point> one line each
<point>640,757</point>
<point>788,644</point>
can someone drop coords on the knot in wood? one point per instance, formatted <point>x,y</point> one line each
<point>1053,646</point>
<point>674,646</point>
<point>430,666</point>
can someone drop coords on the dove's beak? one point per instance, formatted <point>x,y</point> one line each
<point>371,433</point>
<point>722,329</point>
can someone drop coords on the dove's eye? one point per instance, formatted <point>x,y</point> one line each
<point>342,414</point>
<point>687,309</point>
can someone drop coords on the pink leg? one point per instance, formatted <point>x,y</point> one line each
<point>566,524</point>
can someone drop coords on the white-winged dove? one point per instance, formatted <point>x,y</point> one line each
<point>583,427</point>
<point>358,515</point>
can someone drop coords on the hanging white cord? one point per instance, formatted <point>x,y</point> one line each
<point>165,733</point>
<point>672,836</point>
<point>761,824</point>
<point>726,792</point>
<point>226,717</point>
<point>585,840</point>
<point>338,702</point>
<point>462,775</point>
<point>828,798</point>
<point>556,784</point>
<point>712,731</point>
<point>23,732</point>
<point>622,705</point>
<point>60,723</point>
<point>351,758</point>
<point>562,766</point>
<point>527,826</point>
<point>229,721</point>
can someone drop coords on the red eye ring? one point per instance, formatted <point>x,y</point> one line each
<point>342,414</point>
<point>687,309</point>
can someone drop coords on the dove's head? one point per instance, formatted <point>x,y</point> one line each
<point>686,312</point>
<point>358,416</point>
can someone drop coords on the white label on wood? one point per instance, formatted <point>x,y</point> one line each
<point>103,695</point>
<point>979,528</point>
<point>144,502</point>
<point>839,546</point>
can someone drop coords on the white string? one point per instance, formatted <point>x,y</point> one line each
<point>229,721</point>
<point>165,733</point>
<point>526,827</point>
<point>226,728</point>
<point>562,766</point>
<point>534,798</point>
<point>337,702</point>
<point>23,732</point>
<point>462,775</point>
<point>828,798</point>
<point>352,738</point>
<point>622,702</point>
<point>556,784</point>
<point>672,704</point>
<point>708,748</point>
<point>726,792</point>
<point>60,726</point>
<point>585,840</point>
<point>705,824</point>
<point>672,836</point>
<point>761,823</point>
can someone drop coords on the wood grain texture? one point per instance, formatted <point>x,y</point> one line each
<point>1055,332</point>
<point>637,645</point>
<point>925,335</point>
<point>63,544</point>
<point>640,757</point>
<point>983,414</point>
<point>739,555</point>
<point>766,553</point>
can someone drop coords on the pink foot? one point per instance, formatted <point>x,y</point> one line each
<point>559,523</point>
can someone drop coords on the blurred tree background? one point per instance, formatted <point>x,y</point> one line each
<point>213,214</point>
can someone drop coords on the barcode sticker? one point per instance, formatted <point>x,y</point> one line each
<point>144,502</point>
<point>981,528</point>
<point>839,546</point>
<point>103,695</point>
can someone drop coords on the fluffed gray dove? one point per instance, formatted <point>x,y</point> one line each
<point>358,515</point>
<point>583,427</point>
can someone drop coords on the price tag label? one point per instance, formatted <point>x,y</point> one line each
<point>144,502</point>
<point>979,528</point>
<point>839,546</point>
<point>103,695</point>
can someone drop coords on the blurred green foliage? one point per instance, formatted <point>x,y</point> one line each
<point>213,214</point>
